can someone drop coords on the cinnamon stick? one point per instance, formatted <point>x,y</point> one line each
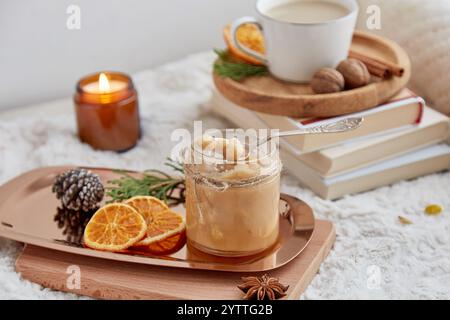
<point>378,67</point>
<point>378,70</point>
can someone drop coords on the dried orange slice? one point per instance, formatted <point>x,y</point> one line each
<point>169,245</point>
<point>249,36</point>
<point>161,221</point>
<point>143,204</point>
<point>164,247</point>
<point>114,227</point>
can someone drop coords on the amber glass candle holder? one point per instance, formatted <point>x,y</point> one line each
<point>107,111</point>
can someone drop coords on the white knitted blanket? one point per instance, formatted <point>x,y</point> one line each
<point>374,256</point>
<point>423,29</point>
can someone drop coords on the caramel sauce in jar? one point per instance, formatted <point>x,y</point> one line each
<point>232,207</point>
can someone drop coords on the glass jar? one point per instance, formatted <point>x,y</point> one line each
<point>107,120</point>
<point>232,206</point>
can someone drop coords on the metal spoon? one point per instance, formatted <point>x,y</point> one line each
<point>343,125</point>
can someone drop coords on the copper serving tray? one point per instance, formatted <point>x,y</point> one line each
<point>29,214</point>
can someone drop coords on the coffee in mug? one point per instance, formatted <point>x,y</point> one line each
<point>307,11</point>
<point>302,36</point>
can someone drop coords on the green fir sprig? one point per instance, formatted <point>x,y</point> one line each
<point>228,67</point>
<point>152,182</point>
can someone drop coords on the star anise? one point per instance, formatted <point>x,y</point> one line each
<point>262,288</point>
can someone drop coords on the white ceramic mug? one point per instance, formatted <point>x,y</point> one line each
<point>295,51</point>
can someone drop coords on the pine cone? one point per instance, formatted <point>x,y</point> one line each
<point>79,189</point>
<point>72,223</point>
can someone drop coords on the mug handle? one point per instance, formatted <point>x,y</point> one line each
<point>235,26</point>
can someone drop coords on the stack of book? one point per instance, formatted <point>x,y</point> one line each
<point>401,139</point>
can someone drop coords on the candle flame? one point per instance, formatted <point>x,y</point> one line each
<point>103,83</point>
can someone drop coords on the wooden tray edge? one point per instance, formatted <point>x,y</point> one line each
<point>314,266</point>
<point>33,265</point>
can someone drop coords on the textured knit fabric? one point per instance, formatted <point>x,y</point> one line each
<point>374,255</point>
<point>423,29</point>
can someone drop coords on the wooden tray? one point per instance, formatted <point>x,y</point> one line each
<point>29,213</point>
<point>120,280</point>
<point>269,95</point>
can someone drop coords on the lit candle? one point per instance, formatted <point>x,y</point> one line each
<point>107,111</point>
<point>104,85</point>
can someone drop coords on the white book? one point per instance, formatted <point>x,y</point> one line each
<point>411,165</point>
<point>434,128</point>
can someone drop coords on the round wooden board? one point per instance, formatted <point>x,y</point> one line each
<point>269,95</point>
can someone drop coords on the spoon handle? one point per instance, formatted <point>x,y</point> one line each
<point>343,125</point>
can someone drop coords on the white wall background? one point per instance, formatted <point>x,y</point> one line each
<point>40,59</point>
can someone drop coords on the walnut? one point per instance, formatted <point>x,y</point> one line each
<point>355,73</point>
<point>327,80</point>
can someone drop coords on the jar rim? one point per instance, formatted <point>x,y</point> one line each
<point>213,167</point>
<point>270,145</point>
